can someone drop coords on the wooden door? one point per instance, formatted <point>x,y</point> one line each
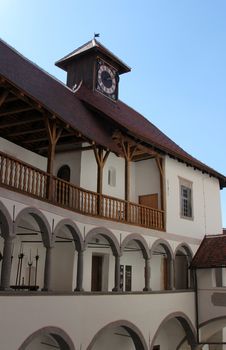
<point>96,283</point>
<point>149,200</point>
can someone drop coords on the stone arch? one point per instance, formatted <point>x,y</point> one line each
<point>108,235</point>
<point>60,336</point>
<point>166,246</point>
<point>140,241</point>
<point>134,332</point>
<point>68,248</point>
<point>74,230</point>
<point>185,323</point>
<point>211,327</point>
<point>184,278</point>
<point>187,249</point>
<point>5,222</point>
<point>162,265</point>
<point>41,221</point>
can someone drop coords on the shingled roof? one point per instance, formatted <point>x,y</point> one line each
<point>211,253</point>
<point>139,127</point>
<point>89,112</point>
<point>92,45</point>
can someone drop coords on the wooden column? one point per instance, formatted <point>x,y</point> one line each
<point>101,159</point>
<point>159,162</point>
<point>128,154</point>
<point>53,136</point>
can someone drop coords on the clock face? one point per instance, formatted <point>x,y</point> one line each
<point>107,80</point>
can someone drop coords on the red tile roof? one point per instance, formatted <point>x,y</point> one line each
<point>211,253</point>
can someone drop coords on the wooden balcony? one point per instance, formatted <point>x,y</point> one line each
<point>24,178</point>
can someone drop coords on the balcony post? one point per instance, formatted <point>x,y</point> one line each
<point>101,160</point>
<point>6,263</point>
<point>127,184</point>
<point>53,136</point>
<point>117,274</point>
<point>147,275</point>
<point>159,162</point>
<point>79,279</point>
<point>48,269</point>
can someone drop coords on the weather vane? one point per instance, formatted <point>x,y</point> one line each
<point>96,35</point>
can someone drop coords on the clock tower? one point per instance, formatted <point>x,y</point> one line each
<point>96,67</point>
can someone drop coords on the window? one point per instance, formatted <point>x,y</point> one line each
<point>112,177</point>
<point>186,199</point>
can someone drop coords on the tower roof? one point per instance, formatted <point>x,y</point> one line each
<point>92,46</point>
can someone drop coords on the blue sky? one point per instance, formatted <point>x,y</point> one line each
<point>176,49</point>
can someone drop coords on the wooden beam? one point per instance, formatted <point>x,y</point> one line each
<point>20,122</point>
<point>3,97</point>
<point>39,139</point>
<point>16,111</point>
<point>159,163</point>
<point>26,132</point>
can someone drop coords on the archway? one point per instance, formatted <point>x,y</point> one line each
<point>68,246</point>
<point>176,332</point>
<point>135,268</point>
<point>30,249</point>
<point>6,238</point>
<point>101,259</point>
<point>46,338</point>
<point>161,266</point>
<point>121,335</point>
<point>183,276</point>
<point>213,331</point>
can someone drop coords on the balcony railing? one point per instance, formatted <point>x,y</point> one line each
<point>29,180</point>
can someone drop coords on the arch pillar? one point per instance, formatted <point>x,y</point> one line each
<point>147,275</point>
<point>117,274</point>
<point>79,279</point>
<point>6,263</point>
<point>171,275</point>
<point>47,272</point>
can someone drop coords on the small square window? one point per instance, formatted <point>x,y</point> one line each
<point>112,177</point>
<point>186,209</point>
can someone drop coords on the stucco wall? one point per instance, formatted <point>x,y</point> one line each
<point>206,201</point>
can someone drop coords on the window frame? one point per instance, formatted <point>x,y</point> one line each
<point>185,184</point>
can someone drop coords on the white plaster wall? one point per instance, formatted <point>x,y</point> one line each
<point>119,189</point>
<point>147,178</point>
<point>88,179</point>
<point>206,278</point>
<point>157,274</point>
<point>136,261</point>
<point>206,201</point>
<point>64,267</point>
<point>170,335</point>
<point>21,153</point>
<point>113,339</point>
<point>71,313</point>
<point>73,160</point>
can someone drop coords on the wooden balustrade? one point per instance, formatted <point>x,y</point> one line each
<point>22,176</point>
<point>29,180</point>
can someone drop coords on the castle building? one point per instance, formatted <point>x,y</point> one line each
<point>101,215</point>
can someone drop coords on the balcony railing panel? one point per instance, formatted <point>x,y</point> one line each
<point>23,177</point>
<point>29,180</point>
